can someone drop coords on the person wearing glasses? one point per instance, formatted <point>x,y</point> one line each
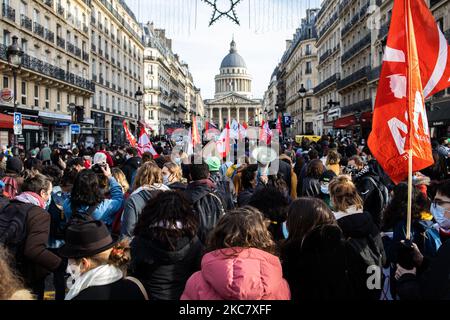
<point>430,278</point>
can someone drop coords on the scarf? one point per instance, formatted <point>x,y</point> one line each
<point>31,197</point>
<point>153,187</point>
<point>99,276</point>
<point>210,183</point>
<point>363,172</point>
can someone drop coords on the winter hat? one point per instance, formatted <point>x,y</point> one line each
<point>14,164</point>
<point>99,158</point>
<point>33,153</point>
<point>213,164</point>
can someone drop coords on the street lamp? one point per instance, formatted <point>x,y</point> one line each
<point>174,109</point>
<point>358,115</point>
<point>14,54</point>
<point>138,95</point>
<point>72,108</point>
<point>302,94</point>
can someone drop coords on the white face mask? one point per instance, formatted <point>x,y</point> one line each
<point>324,189</point>
<point>438,213</point>
<point>166,179</point>
<point>74,271</point>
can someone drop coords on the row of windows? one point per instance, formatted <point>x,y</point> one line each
<point>116,104</point>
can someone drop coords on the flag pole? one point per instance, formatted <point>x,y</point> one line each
<point>410,190</point>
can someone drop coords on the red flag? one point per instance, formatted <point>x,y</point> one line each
<point>131,139</point>
<point>195,135</point>
<point>223,143</point>
<point>145,145</point>
<point>265,134</point>
<point>209,125</point>
<point>416,64</point>
<point>279,127</point>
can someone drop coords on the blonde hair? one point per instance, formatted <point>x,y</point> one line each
<point>121,179</point>
<point>174,170</point>
<point>333,157</point>
<point>344,194</point>
<point>148,174</point>
<point>11,286</point>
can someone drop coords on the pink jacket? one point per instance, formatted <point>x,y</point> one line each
<point>252,274</point>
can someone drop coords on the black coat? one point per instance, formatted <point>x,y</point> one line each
<point>361,226</point>
<point>316,269</point>
<point>163,271</point>
<point>285,170</point>
<point>244,197</point>
<point>119,290</point>
<point>130,166</point>
<point>311,187</point>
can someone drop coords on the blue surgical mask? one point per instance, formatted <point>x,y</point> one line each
<point>178,161</point>
<point>438,213</point>
<point>285,230</point>
<point>324,189</point>
<point>166,180</point>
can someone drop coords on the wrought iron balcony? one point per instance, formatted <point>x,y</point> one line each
<point>94,77</point>
<point>49,70</point>
<point>48,3</point>
<point>360,106</point>
<point>360,45</point>
<point>100,51</point>
<point>60,10</point>
<point>49,35</point>
<point>327,26</point>
<point>85,56</point>
<point>374,74</point>
<point>25,22</point>
<point>344,6</point>
<point>70,48</point>
<point>107,83</point>
<point>61,42</point>
<point>359,75</point>
<point>38,29</point>
<point>8,12</point>
<point>324,56</point>
<point>355,19</point>
<point>328,82</point>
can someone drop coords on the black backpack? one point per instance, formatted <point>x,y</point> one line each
<point>13,218</point>
<point>209,208</point>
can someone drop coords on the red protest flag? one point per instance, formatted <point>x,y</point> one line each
<point>131,139</point>
<point>195,134</point>
<point>279,127</point>
<point>416,64</point>
<point>223,143</point>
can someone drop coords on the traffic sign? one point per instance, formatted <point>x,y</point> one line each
<point>17,129</point>
<point>75,129</point>
<point>17,118</point>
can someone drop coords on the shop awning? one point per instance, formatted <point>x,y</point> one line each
<point>349,121</point>
<point>6,122</point>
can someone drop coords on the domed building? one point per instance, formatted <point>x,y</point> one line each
<point>233,93</point>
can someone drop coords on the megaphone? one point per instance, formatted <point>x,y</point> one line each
<point>264,155</point>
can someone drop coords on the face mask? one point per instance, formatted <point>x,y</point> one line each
<point>47,204</point>
<point>285,230</point>
<point>324,189</point>
<point>128,156</point>
<point>178,161</point>
<point>166,180</point>
<point>438,213</point>
<point>74,272</point>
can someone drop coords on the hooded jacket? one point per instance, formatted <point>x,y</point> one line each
<point>129,168</point>
<point>163,270</point>
<point>251,274</point>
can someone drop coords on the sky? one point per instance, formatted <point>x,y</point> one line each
<point>265,25</point>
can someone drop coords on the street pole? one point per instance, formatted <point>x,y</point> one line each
<point>15,101</point>
<point>303,131</point>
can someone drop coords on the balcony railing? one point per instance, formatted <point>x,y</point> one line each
<point>60,10</point>
<point>100,51</point>
<point>326,83</point>
<point>38,29</point>
<point>360,106</point>
<point>49,70</point>
<point>25,22</point>
<point>70,48</point>
<point>360,45</point>
<point>78,52</point>
<point>374,74</point>
<point>49,3</point>
<point>94,77</point>
<point>93,48</point>
<point>8,12</point>
<point>107,83</point>
<point>85,56</point>
<point>49,35</point>
<point>330,22</point>
<point>355,19</point>
<point>61,42</point>
<point>361,74</point>
<point>344,6</point>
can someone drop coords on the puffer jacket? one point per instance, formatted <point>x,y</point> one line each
<point>250,274</point>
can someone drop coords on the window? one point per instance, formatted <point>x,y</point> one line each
<point>151,115</point>
<point>308,84</point>
<point>36,96</point>
<point>308,68</point>
<point>47,98</point>
<point>58,101</point>
<point>23,8</point>
<point>5,82</point>
<point>24,45</point>
<point>308,104</point>
<point>68,36</point>
<point>36,17</point>
<point>47,23</point>
<point>308,49</point>
<point>58,31</point>
<point>94,68</point>
<point>114,103</point>
<point>6,38</point>
<point>24,93</point>
<point>440,23</point>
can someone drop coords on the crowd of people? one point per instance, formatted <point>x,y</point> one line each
<point>114,224</point>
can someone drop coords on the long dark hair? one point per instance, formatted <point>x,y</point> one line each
<point>86,190</point>
<point>305,215</point>
<point>397,208</point>
<point>162,213</point>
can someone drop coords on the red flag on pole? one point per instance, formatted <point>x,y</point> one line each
<point>195,135</point>
<point>131,139</point>
<point>223,143</point>
<point>145,145</point>
<point>416,64</point>
<point>265,134</point>
<point>279,127</point>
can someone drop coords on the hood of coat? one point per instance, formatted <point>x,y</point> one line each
<point>322,238</point>
<point>134,162</point>
<point>153,251</point>
<point>366,170</point>
<point>198,189</point>
<point>356,225</point>
<point>251,274</point>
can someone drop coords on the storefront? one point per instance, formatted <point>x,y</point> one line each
<point>31,132</point>
<point>118,133</point>
<point>350,125</point>
<point>56,127</point>
<point>99,130</point>
<point>439,120</point>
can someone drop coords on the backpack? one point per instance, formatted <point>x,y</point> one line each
<point>209,209</point>
<point>13,217</point>
<point>382,190</point>
<point>427,238</point>
<point>81,216</point>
